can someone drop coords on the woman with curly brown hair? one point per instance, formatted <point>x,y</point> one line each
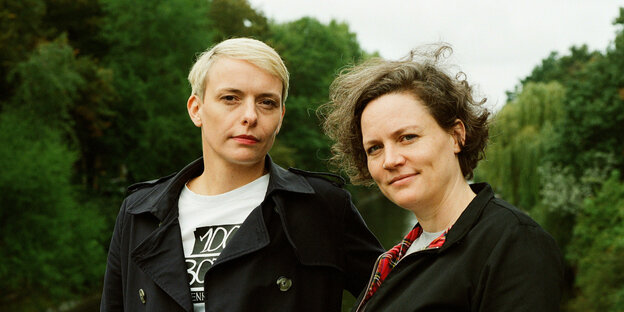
<point>418,133</point>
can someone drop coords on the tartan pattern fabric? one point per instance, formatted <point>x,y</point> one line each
<point>390,258</point>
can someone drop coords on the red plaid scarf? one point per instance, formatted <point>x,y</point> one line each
<point>390,258</point>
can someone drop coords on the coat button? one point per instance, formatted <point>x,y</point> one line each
<point>142,295</point>
<point>284,283</point>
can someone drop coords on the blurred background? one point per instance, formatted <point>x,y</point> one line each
<point>93,94</point>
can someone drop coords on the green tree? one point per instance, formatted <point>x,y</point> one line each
<point>236,18</point>
<point>314,53</point>
<point>26,24</point>
<point>80,21</point>
<point>20,31</point>
<point>578,150</point>
<point>563,193</point>
<point>49,243</point>
<point>73,94</point>
<point>39,200</point>
<point>152,45</point>
<point>562,68</point>
<point>593,115</point>
<point>48,84</point>
<point>518,137</point>
<point>597,249</point>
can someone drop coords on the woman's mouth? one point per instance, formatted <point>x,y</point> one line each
<point>246,139</point>
<point>402,178</point>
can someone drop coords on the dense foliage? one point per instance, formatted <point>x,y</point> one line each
<point>597,249</point>
<point>557,152</point>
<point>94,99</point>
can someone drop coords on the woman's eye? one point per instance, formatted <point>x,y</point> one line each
<point>408,137</point>
<point>372,149</point>
<point>228,98</point>
<point>271,103</point>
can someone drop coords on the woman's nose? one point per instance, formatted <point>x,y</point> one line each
<point>250,115</point>
<point>392,159</point>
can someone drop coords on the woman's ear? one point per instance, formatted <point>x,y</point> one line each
<point>194,109</point>
<point>458,132</point>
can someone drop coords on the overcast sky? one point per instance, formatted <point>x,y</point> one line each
<point>495,42</point>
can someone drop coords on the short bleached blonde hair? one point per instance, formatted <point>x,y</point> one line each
<point>251,50</point>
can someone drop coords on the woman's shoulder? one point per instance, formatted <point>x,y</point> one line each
<point>320,178</point>
<point>502,219</point>
<point>487,209</point>
<point>502,211</point>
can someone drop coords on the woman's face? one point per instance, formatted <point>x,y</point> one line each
<point>411,158</point>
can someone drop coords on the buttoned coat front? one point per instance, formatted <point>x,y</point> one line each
<point>297,251</point>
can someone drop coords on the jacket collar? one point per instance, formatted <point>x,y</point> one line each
<point>284,180</point>
<point>165,193</point>
<point>471,215</point>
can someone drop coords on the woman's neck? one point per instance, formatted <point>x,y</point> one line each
<point>222,178</point>
<point>443,214</point>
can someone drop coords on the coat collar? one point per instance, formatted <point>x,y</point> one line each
<point>166,191</point>
<point>471,215</point>
<point>284,180</point>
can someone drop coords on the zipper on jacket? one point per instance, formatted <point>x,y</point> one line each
<point>370,281</point>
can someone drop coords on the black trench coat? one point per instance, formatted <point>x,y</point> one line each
<point>297,251</point>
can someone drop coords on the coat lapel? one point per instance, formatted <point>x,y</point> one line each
<point>161,257</point>
<point>251,236</point>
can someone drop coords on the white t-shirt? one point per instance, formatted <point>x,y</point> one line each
<point>208,223</point>
<point>422,242</point>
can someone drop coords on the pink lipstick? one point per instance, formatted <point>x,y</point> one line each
<point>246,139</point>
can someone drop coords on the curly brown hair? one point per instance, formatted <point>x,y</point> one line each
<point>446,98</point>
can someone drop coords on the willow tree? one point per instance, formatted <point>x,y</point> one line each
<point>518,139</point>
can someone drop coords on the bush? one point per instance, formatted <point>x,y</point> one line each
<point>597,249</point>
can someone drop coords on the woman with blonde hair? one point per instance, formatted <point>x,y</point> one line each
<point>418,133</point>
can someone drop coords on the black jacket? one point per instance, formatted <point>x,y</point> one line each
<point>297,251</point>
<point>495,258</point>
